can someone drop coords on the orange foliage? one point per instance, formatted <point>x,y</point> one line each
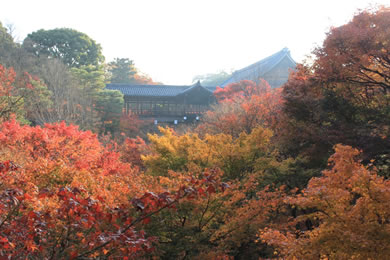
<point>131,126</point>
<point>131,151</point>
<point>358,53</point>
<point>242,107</point>
<point>346,213</point>
<point>245,215</point>
<point>65,195</point>
<point>59,155</point>
<point>144,79</point>
<point>343,95</point>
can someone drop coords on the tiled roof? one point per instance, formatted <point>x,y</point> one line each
<point>259,68</point>
<point>210,88</point>
<point>152,90</point>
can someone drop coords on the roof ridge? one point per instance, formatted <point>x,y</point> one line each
<point>284,50</point>
<point>196,85</point>
<point>142,85</point>
<point>286,53</point>
<point>156,90</point>
<point>280,55</point>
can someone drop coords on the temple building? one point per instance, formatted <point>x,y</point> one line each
<point>274,69</point>
<point>167,102</point>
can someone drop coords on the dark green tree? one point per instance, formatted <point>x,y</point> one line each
<point>84,58</point>
<point>74,48</point>
<point>6,39</point>
<point>109,105</point>
<point>122,70</point>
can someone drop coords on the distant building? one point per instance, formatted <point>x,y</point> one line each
<point>274,69</point>
<point>165,101</point>
<point>168,102</point>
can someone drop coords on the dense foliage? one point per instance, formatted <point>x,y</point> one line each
<point>74,48</point>
<point>299,172</point>
<point>343,97</point>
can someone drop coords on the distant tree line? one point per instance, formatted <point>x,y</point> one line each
<point>67,73</point>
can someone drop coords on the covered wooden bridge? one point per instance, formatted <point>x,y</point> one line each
<point>165,100</point>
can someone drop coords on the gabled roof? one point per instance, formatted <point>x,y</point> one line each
<point>260,68</point>
<point>195,86</point>
<point>211,88</point>
<point>154,90</point>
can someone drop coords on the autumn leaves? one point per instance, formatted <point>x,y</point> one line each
<point>269,173</point>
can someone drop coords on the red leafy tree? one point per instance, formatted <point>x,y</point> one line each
<point>80,226</point>
<point>343,97</point>
<point>242,107</point>
<point>358,53</point>
<point>65,195</point>
<point>131,151</point>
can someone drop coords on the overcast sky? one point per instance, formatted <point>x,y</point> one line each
<point>175,40</point>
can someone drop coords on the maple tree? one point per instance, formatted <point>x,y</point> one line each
<point>80,226</point>
<point>21,95</point>
<point>65,195</point>
<point>242,107</point>
<point>132,150</point>
<point>348,203</point>
<point>192,153</point>
<point>248,210</point>
<point>185,232</point>
<point>11,93</point>
<point>343,96</point>
<point>358,53</point>
<point>70,157</point>
<point>132,126</point>
<point>249,163</point>
<point>10,101</point>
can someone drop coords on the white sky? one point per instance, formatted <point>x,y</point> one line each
<point>175,40</point>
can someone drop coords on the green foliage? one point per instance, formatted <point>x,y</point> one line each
<point>38,102</point>
<point>186,232</point>
<point>109,105</point>
<point>5,37</point>
<point>7,45</point>
<point>11,95</point>
<point>70,66</point>
<point>291,173</point>
<point>74,48</point>
<point>90,83</point>
<point>90,77</point>
<point>122,70</point>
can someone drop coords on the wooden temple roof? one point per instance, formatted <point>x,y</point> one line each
<point>156,90</point>
<point>260,68</point>
<point>252,72</point>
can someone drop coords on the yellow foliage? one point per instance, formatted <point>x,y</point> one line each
<point>189,152</point>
